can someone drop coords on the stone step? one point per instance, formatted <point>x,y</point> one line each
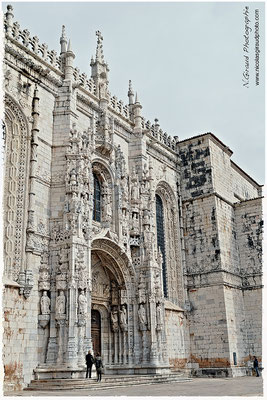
<point>107,382</point>
<point>108,378</point>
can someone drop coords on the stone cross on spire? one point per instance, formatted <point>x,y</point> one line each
<point>99,47</point>
<point>100,69</point>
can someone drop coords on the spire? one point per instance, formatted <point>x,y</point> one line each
<point>69,57</point>
<point>63,40</point>
<point>69,46</point>
<point>9,19</point>
<point>137,115</point>
<point>99,48</point>
<point>130,93</point>
<point>100,69</point>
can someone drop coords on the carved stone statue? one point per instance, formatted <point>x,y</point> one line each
<point>114,293</point>
<point>125,192</point>
<point>135,192</point>
<point>123,318</point>
<point>114,321</point>
<point>158,289</point>
<point>159,315</point>
<point>45,304</point>
<point>60,303</point>
<point>82,300</point>
<point>142,317</point>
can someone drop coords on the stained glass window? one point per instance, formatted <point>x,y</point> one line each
<point>161,240</point>
<point>97,200</point>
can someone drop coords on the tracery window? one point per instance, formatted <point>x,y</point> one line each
<point>161,240</point>
<point>97,199</point>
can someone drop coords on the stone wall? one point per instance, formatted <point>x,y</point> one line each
<point>227,236</point>
<point>20,338</point>
<point>202,247</point>
<point>208,327</point>
<point>249,225</point>
<point>196,171</point>
<point>178,343</point>
<point>253,314</point>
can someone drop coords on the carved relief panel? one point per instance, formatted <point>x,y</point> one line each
<point>15,188</point>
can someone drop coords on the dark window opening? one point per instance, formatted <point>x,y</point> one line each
<point>97,200</point>
<point>161,241</point>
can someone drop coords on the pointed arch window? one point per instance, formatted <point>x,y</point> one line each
<point>97,199</point>
<point>161,240</point>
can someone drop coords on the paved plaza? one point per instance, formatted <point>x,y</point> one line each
<point>243,386</point>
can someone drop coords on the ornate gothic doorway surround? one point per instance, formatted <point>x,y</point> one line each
<point>112,283</point>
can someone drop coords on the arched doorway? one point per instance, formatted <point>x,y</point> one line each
<point>112,299</point>
<point>96,331</point>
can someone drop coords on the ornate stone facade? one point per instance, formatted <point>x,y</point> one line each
<point>117,237</point>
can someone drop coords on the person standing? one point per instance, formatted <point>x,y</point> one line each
<point>89,363</point>
<point>256,366</point>
<point>99,366</point>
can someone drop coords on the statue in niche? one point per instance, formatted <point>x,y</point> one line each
<point>142,317</point>
<point>63,255</point>
<point>107,207</point>
<point>157,285</point>
<point>105,290</point>
<point>125,191</point>
<point>114,320</point>
<point>114,293</point>
<point>159,315</point>
<point>123,318</point>
<point>95,283</point>
<point>45,304</point>
<point>82,300</point>
<point>135,192</point>
<point>60,303</point>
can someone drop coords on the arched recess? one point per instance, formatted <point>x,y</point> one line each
<point>113,289</point>
<point>106,180</point>
<point>173,256</point>
<point>16,165</point>
<point>124,269</point>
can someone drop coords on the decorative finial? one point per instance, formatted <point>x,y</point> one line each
<point>136,98</point>
<point>9,19</point>
<point>63,40</point>
<point>130,93</point>
<point>99,47</point>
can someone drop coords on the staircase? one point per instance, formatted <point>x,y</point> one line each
<point>108,382</point>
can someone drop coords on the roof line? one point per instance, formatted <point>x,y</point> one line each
<point>243,172</point>
<point>213,136</point>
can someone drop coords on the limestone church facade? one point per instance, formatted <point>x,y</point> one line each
<point>117,237</point>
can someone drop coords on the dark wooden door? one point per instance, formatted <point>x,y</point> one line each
<point>96,331</point>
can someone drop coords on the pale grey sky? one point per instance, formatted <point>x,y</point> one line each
<point>185,60</point>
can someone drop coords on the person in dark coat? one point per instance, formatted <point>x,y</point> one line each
<point>99,366</point>
<point>256,366</point>
<point>89,363</point>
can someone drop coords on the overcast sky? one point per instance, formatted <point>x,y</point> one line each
<point>185,60</point>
